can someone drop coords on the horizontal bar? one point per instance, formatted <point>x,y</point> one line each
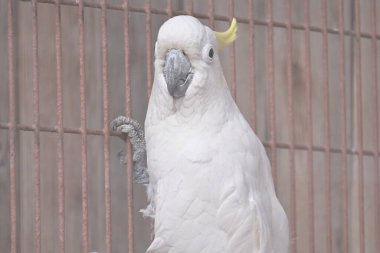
<point>100,132</point>
<point>277,24</point>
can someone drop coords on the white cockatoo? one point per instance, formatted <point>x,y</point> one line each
<point>210,185</point>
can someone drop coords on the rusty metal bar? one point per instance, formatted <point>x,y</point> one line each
<point>189,9</point>
<point>252,76</point>
<point>36,139</point>
<point>69,130</point>
<point>376,130</point>
<point>326,141</point>
<point>169,9</point>
<point>232,51</point>
<point>12,129</point>
<point>97,132</point>
<point>60,155</point>
<point>359,125</point>
<point>95,4</point>
<point>106,130</point>
<point>211,13</point>
<point>343,117</point>
<point>148,33</point>
<point>59,129</point>
<point>149,41</point>
<point>271,99</point>
<point>83,130</point>
<point>310,174</point>
<point>128,112</point>
<point>289,73</point>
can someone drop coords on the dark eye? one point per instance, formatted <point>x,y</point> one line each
<point>211,53</point>
<point>208,53</point>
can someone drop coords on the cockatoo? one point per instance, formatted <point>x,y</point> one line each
<point>208,176</point>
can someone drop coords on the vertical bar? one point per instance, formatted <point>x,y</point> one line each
<point>189,7</point>
<point>169,8</point>
<point>60,165</point>
<point>293,217</point>
<point>376,128</point>
<point>128,111</point>
<point>326,109</point>
<point>106,146</point>
<point>12,130</point>
<point>36,126</point>
<point>359,125</point>
<point>211,13</point>
<point>83,127</point>
<point>148,33</point>
<point>342,105</point>
<point>310,176</point>
<point>270,68</point>
<point>232,52</point>
<point>252,77</point>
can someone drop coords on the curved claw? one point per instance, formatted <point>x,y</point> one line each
<point>134,131</point>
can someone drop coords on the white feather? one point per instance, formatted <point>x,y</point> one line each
<point>210,178</point>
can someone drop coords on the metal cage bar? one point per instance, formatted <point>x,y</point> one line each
<point>279,145</point>
<point>210,12</point>
<point>148,33</point>
<point>120,7</point>
<point>290,104</point>
<point>106,130</point>
<point>310,166</point>
<point>128,112</point>
<point>359,150</point>
<point>12,129</point>
<point>359,125</point>
<point>252,77</point>
<point>83,130</point>
<point>232,52</point>
<point>271,93</point>
<point>376,129</point>
<point>36,132</point>
<point>326,141</point>
<point>343,118</point>
<point>59,107</point>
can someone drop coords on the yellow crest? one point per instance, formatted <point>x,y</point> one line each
<point>227,37</point>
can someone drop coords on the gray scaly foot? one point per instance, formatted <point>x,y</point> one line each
<point>134,131</point>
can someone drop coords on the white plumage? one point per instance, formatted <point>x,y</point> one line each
<point>211,188</point>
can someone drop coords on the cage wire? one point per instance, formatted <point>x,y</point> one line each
<point>304,74</point>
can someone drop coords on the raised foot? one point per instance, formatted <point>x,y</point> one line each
<point>131,128</point>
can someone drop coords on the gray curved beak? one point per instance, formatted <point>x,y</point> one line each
<point>177,72</point>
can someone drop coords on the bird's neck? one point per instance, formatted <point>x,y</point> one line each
<point>212,106</point>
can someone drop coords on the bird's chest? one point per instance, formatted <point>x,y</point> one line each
<point>172,148</point>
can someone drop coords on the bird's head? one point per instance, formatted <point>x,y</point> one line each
<point>187,60</point>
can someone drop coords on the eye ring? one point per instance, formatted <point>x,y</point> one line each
<point>208,53</point>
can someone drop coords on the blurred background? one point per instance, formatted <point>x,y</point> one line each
<point>303,72</point>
